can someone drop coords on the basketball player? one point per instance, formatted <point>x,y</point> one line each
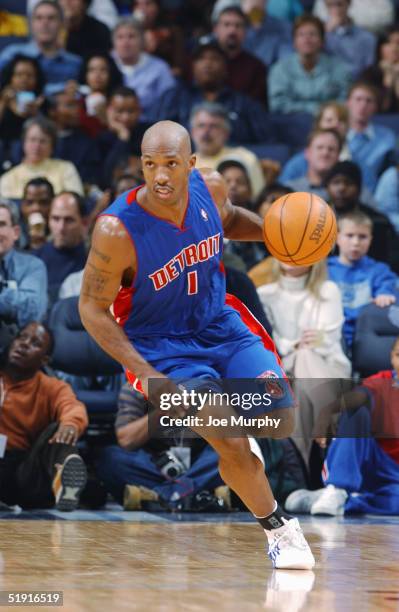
<point>156,258</point>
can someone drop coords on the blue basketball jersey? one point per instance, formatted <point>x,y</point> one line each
<point>179,286</point>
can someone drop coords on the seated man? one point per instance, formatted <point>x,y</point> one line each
<point>23,278</point>
<point>143,469</point>
<point>248,118</point>
<point>268,37</point>
<point>66,251</point>
<point>40,422</point>
<point>72,143</point>
<point>121,141</point>
<point>371,146</point>
<point>210,130</point>
<point>240,194</point>
<point>322,154</point>
<point>361,473</point>
<point>84,33</point>
<point>57,64</point>
<point>246,73</point>
<point>344,188</point>
<point>347,41</point>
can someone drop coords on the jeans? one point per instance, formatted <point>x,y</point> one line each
<point>118,467</point>
<point>361,467</point>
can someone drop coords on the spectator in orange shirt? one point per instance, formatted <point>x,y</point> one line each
<point>40,422</point>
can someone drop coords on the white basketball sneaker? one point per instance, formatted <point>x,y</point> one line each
<point>331,502</point>
<point>288,548</point>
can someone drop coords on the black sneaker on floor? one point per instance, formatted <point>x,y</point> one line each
<point>203,501</point>
<point>68,483</point>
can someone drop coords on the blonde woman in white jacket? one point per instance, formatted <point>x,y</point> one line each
<point>305,311</point>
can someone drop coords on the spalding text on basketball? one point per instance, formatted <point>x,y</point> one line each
<point>318,230</point>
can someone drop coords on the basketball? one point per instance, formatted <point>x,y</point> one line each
<point>300,229</point>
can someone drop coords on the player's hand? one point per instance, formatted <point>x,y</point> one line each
<point>65,434</point>
<point>384,300</point>
<point>160,385</point>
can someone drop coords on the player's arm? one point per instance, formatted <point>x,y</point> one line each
<point>111,257</point>
<point>238,223</point>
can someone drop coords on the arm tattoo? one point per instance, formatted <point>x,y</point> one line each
<point>96,269</point>
<point>102,256</point>
<point>96,281</point>
<point>94,296</point>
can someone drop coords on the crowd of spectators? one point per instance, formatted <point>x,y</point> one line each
<point>278,97</point>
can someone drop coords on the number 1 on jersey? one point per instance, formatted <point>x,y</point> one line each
<point>192,278</point>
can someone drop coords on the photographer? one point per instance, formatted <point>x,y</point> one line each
<point>23,280</point>
<point>179,473</point>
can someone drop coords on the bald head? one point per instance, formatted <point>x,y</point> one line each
<point>167,163</point>
<point>166,137</point>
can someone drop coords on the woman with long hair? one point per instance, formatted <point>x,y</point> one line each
<point>306,314</point>
<point>21,86</point>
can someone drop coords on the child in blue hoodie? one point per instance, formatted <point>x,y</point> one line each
<point>361,279</point>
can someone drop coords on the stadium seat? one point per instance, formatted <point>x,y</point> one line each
<point>278,152</point>
<point>376,330</point>
<point>76,353</point>
<point>15,7</point>
<point>292,129</point>
<point>388,120</point>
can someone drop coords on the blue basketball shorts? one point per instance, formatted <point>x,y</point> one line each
<point>234,349</point>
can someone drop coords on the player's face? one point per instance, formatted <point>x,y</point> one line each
<point>353,240</point>
<point>166,173</point>
<point>323,152</point>
<point>343,192</point>
<point>238,186</point>
<point>395,357</point>
<point>307,40</point>
<point>362,105</point>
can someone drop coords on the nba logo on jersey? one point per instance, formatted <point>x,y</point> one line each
<point>204,214</point>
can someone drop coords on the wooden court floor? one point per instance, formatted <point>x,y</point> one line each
<point>110,566</point>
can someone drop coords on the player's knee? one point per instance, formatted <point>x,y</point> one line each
<point>232,449</point>
<point>280,424</point>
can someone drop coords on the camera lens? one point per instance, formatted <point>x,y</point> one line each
<point>173,472</point>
